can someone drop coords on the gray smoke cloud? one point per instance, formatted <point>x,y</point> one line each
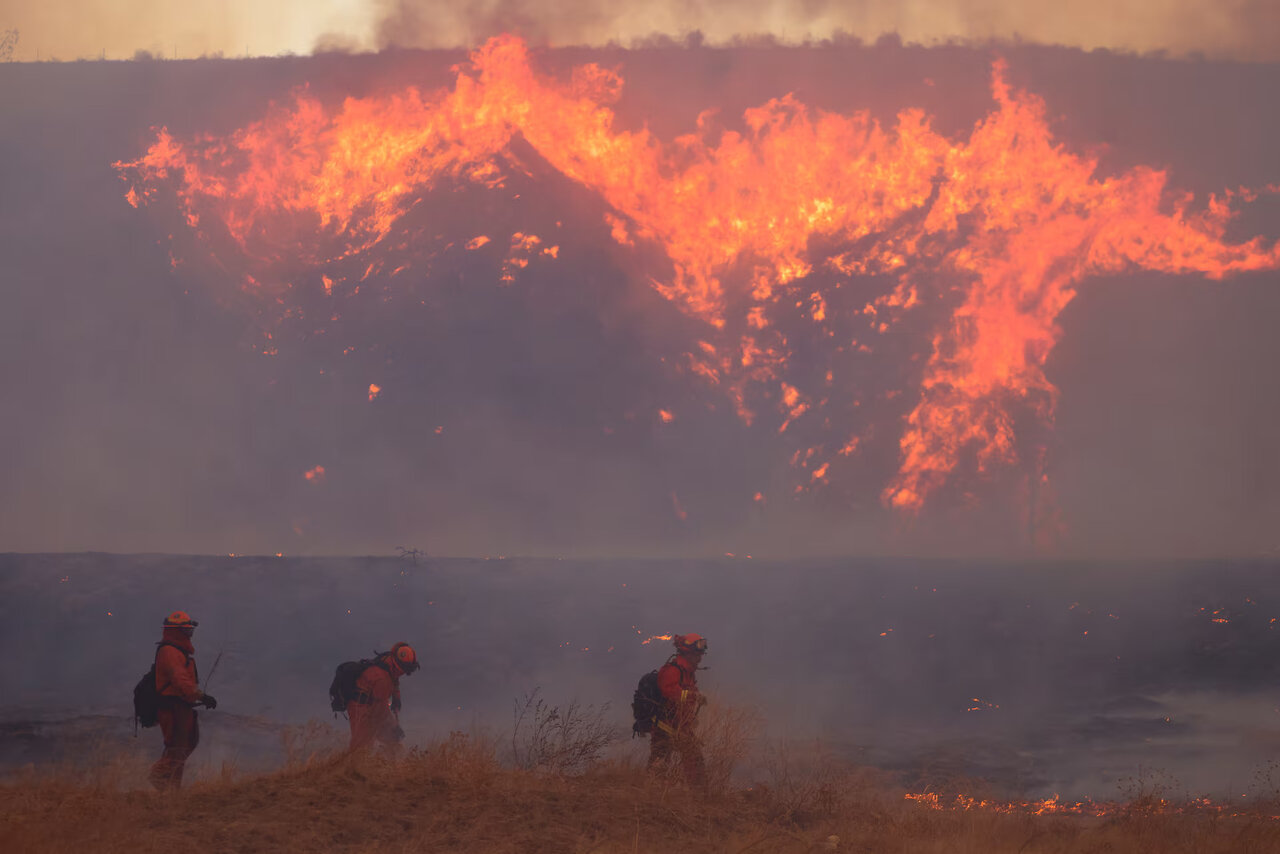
<point>1240,29</point>
<point>80,29</point>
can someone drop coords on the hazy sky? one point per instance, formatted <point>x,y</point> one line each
<point>70,29</point>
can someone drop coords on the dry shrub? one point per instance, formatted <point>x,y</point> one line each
<point>806,782</point>
<point>464,757</point>
<point>1146,790</point>
<point>559,741</point>
<point>304,744</point>
<point>727,734</point>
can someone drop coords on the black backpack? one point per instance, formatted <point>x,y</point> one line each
<point>146,697</point>
<point>343,688</point>
<point>647,704</point>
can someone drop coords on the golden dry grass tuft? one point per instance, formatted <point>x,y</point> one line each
<point>455,796</point>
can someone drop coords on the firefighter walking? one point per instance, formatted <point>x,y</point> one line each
<point>674,730</point>
<point>374,713</point>
<point>179,688</point>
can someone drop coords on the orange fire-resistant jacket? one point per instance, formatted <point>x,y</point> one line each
<point>176,673</point>
<point>678,682</point>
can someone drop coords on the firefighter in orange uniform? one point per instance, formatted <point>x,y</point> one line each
<point>673,731</point>
<point>375,713</point>
<point>179,690</point>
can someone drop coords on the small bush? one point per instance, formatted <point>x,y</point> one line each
<point>561,741</point>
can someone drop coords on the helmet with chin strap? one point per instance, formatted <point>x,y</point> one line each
<point>691,644</point>
<point>404,657</point>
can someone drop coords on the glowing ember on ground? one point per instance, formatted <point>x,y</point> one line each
<point>314,475</point>
<point>1097,809</point>
<point>374,391</point>
<point>1006,223</point>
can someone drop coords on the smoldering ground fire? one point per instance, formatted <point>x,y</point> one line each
<point>764,234</point>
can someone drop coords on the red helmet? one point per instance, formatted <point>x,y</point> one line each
<point>692,643</point>
<point>179,620</point>
<point>404,657</point>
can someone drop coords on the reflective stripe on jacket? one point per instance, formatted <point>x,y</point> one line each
<point>678,682</point>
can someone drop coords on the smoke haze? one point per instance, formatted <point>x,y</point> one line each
<point>1240,29</point>
<point>73,29</point>
<point>1063,678</point>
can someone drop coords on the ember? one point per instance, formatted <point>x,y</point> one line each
<point>1097,809</point>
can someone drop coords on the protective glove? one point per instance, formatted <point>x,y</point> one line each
<point>209,701</point>
<point>398,734</point>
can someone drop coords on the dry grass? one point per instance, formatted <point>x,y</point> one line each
<point>454,796</point>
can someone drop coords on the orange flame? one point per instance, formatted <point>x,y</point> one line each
<point>1013,219</point>
<point>1086,807</point>
<point>374,391</point>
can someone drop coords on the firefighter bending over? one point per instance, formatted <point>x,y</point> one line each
<point>674,729</point>
<point>179,690</point>
<point>375,710</point>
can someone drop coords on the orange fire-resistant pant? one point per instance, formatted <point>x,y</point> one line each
<point>181,729</point>
<point>666,739</point>
<point>372,724</point>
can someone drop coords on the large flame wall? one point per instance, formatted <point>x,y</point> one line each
<point>1001,224</point>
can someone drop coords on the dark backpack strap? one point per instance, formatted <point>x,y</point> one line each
<point>364,698</point>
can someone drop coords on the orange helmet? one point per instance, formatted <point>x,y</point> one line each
<point>404,656</point>
<point>691,643</point>
<point>179,620</point>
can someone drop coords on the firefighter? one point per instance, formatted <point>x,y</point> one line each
<point>375,712</point>
<point>674,730</point>
<point>179,690</point>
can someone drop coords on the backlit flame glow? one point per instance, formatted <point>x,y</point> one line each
<point>650,639</point>
<point>1005,224</point>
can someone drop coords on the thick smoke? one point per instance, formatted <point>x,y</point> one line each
<point>80,29</point>
<point>1242,29</point>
